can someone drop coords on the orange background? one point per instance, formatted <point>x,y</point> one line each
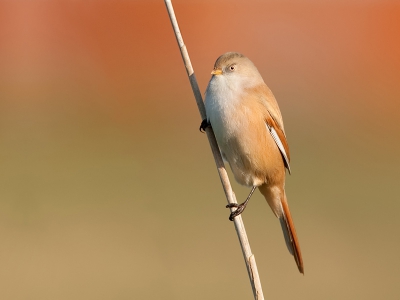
<point>108,190</point>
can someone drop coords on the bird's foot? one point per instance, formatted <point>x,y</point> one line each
<point>204,124</point>
<point>239,209</point>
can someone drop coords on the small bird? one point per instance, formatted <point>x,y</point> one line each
<point>248,126</point>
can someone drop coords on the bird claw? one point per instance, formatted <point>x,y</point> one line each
<point>204,124</point>
<point>239,209</point>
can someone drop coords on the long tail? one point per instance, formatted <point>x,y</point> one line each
<point>290,235</point>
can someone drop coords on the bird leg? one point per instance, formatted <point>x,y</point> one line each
<point>240,207</point>
<point>204,124</point>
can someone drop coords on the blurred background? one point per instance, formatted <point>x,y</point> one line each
<point>109,191</point>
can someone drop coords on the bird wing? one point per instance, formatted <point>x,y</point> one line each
<point>279,137</point>
<point>273,120</point>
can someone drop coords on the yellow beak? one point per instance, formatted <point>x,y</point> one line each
<point>216,72</point>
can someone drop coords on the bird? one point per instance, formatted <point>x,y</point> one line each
<point>248,126</point>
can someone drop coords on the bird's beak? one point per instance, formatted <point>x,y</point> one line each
<point>216,72</point>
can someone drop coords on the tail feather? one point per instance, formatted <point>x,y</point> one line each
<point>289,232</point>
<point>276,199</point>
<point>286,234</point>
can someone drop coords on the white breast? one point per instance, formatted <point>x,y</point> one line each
<point>221,102</point>
<point>229,121</point>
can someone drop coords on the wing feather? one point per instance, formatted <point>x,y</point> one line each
<point>280,139</point>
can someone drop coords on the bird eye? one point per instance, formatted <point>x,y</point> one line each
<point>232,68</point>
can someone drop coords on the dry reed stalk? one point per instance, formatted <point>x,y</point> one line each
<point>230,196</point>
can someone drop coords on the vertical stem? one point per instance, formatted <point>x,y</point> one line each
<point>230,196</point>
